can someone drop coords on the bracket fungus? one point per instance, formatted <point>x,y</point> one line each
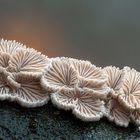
<point>27,90</point>
<point>114,80</point>
<point>29,61</point>
<point>64,99</point>
<point>88,107</point>
<point>90,92</point>
<point>21,69</point>
<point>90,78</point>
<point>117,113</point>
<point>84,105</point>
<point>130,90</point>
<point>64,78</point>
<point>89,75</point>
<point>114,110</point>
<point>59,74</point>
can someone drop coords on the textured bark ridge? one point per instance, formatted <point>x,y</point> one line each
<point>90,92</point>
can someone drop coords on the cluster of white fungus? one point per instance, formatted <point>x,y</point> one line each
<point>21,70</point>
<point>90,92</point>
<point>78,86</point>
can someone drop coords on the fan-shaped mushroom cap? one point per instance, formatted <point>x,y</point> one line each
<point>64,99</point>
<point>27,60</point>
<point>135,117</point>
<point>28,91</point>
<point>89,75</point>
<point>10,47</point>
<point>88,107</point>
<point>117,113</point>
<point>59,74</point>
<point>130,90</point>
<point>115,79</point>
<point>84,105</point>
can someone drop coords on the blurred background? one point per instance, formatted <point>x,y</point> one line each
<point>104,32</point>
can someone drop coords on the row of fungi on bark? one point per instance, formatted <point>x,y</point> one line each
<point>89,92</point>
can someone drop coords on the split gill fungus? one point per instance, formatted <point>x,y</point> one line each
<point>32,79</point>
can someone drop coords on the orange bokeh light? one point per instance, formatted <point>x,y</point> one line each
<point>41,35</point>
